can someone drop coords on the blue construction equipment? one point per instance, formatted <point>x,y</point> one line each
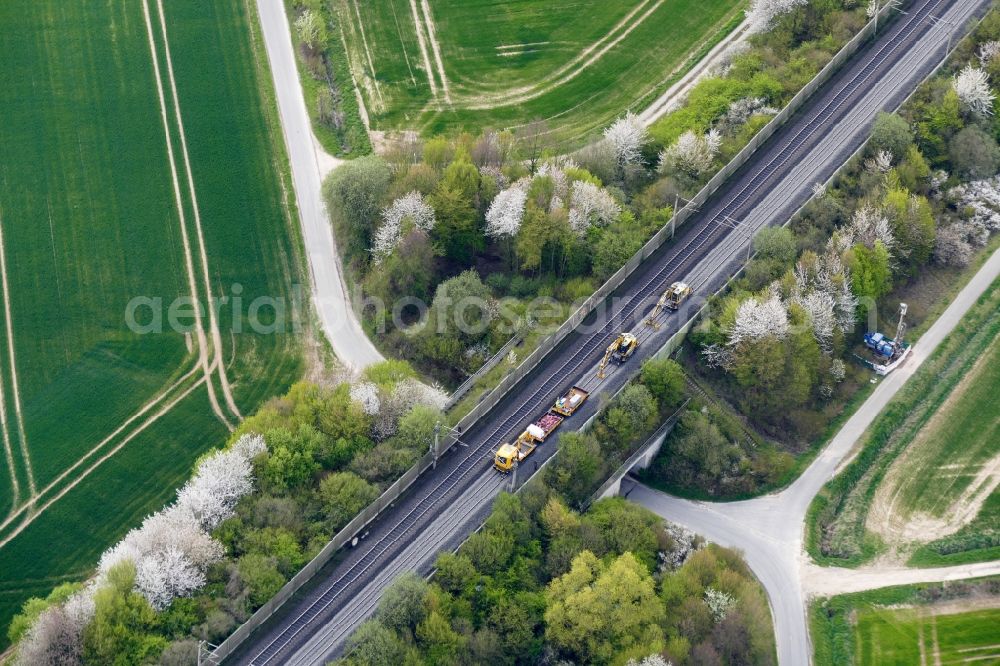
<point>888,353</point>
<point>880,345</point>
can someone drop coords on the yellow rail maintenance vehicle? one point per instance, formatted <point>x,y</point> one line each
<point>677,294</point>
<point>619,351</point>
<point>510,454</point>
<point>671,299</point>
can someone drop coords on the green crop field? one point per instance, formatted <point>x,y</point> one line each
<point>928,623</point>
<point>910,636</point>
<point>436,65</point>
<point>949,468</point>
<point>925,483</point>
<point>140,156</point>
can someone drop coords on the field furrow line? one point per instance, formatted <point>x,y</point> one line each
<point>213,323</point>
<point>418,26</point>
<point>153,402</point>
<point>188,259</point>
<point>368,52</point>
<point>32,516</point>
<point>399,31</point>
<point>8,451</point>
<point>436,48</point>
<point>15,393</point>
<point>8,448</point>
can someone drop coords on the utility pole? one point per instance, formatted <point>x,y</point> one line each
<point>434,445</point>
<point>735,224</point>
<point>937,21</point>
<point>205,654</point>
<point>879,5</point>
<point>673,216</point>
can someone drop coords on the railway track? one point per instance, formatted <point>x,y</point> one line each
<point>432,515</point>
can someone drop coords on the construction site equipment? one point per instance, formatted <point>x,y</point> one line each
<point>677,294</point>
<point>570,402</point>
<point>887,353</point>
<point>671,299</point>
<point>544,426</point>
<point>510,454</point>
<point>620,350</point>
<point>881,346</point>
<point>657,309</point>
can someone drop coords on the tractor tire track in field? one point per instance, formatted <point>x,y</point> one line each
<point>8,448</point>
<point>574,67</point>
<point>418,25</point>
<point>203,344</point>
<point>213,322</point>
<point>15,391</point>
<point>435,48</point>
<point>52,485</point>
<point>368,53</point>
<point>31,508</point>
<point>30,517</point>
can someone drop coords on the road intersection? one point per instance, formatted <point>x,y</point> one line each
<point>769,530</point>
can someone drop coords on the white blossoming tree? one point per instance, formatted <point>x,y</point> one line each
<point>165,574</point>
<point>691,153</point>
<point>172,548</point>
<point>982,198</point>
<point>819,306</point>
<point>757,319</point>
<point>743,109</point>
<point>403,397</point>
<point>560,181</point>
<point>591,205</point>
<point>310,28</point>
<point>366,394</point>
<point>880,163</point>
<point>496,174</point>
<point>951,246</point>
<point>719,603</point>
<point>503,219</point>
<point>762,13</point>
<point>987,52</point>
<point>868,225</point>
<point>221,480</point>
<point>651,660</point>
<point>408,209</point>
<point>972,85</point>
<point>56,637</point>
<point>170,552</point>
<point>627,136</point>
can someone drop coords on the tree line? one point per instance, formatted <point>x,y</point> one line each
<point>923,198</point>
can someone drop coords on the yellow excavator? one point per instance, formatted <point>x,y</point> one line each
<point>671,299</point>
<point>619,351</point>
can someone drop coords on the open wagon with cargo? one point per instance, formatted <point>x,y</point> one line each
<point>510,454</point>
<point>570,402</point>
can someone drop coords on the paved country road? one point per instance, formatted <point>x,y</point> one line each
<point>329,291</point>
<point>445,505</point>
<point>769,530</point>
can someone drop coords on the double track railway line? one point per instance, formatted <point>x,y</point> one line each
<point>446,504</point>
